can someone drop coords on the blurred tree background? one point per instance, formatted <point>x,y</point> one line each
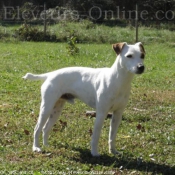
<point>166,7</point>
<point>84,5</point>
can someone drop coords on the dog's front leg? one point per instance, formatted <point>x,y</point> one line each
<point>100,117</point>
<point>114,124</point>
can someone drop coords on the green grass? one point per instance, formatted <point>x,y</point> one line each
<point>146,137</point>
<point>88,32</point>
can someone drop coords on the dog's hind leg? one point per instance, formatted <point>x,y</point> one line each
<point>47,105</point>
<point>52,119</point>
<point>43,116</point>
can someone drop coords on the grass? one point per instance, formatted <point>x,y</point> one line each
<point>146,137</point>
<point>88,32</point>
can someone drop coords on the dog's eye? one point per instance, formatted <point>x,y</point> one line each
<point>129,56</point>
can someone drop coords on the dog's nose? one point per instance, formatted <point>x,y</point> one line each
<point>140,68</point>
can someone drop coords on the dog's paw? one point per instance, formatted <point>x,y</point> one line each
<point>36,149</point>
<point>95,154</point>
<point>114,151</point>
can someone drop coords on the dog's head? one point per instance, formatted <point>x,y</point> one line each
<point>132,56</point>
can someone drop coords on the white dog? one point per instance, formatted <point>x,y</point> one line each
<point>105,89</point>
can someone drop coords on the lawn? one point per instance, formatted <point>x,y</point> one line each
<point>89,32</point>
<point>146,137</point>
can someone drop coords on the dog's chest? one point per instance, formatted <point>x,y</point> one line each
<point>119,101</point>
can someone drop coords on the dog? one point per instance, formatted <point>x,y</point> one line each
<point>104,89</point>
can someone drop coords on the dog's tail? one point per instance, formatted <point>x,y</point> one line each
<point>35,77</point>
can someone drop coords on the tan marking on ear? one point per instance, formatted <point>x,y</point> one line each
<point>118,47</point>
<point>142,55</point>
<point>142,50</point>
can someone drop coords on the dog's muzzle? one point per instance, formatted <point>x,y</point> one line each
<point>140,68</point>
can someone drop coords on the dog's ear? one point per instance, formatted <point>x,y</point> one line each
<point>141,47</point>
<point>118,47</point>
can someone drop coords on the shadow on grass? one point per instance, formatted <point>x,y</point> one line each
<point>127,161</point>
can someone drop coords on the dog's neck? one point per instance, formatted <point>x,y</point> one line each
<point>120,72</point>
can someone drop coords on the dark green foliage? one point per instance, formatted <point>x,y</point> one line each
<point>4,34</point>
<point>28,33</point>
<point>71,41</point>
